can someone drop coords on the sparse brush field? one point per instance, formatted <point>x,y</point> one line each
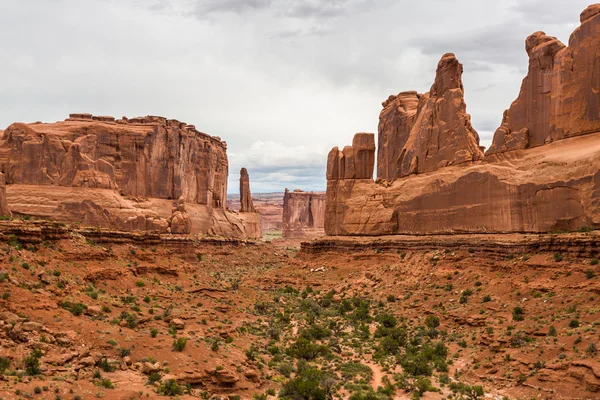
<point>83,320</point>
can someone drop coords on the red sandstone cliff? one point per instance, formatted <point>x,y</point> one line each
<point>4,212</point>
<point>422,133</point>
<point>303,214</point>
<point>551,181</point>
<point>560,96</point>
<point>125,174</point>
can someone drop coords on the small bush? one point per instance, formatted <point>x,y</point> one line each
<point>574,323</point>
<point>170,387</point>
<point>179,344</point>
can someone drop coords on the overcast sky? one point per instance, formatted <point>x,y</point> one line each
<point>282,81</point>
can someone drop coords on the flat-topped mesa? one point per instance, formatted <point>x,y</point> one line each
<point>442,133</point>
<point>560,96</point>
<point>354,162</point>
<point>303,214</point>
<point>246,204</point>
<point>422,133</point>
<point>160,158</point>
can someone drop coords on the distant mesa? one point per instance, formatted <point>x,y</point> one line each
<point>145,173</point>
<point>303,214</point>
<point>541,173</point>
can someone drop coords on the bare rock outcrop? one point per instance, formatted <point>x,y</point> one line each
<point>303,214</point>
<point>354,162</point>
<point>422,133</point>
<point>396,120</point>
<point>120,174</point>
<point>248,214</point>
<point>180,221</point>
<point>560,96</point>
<point>246,204</point>
<point>4,211</point>
<point>549,181</point>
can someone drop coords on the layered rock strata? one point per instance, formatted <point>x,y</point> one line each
<point>542,173</point>
<point>124,174</point>
<point>4,211</point>
<point>303,214</point>
<point>560,96</point>
<point>422,133</point>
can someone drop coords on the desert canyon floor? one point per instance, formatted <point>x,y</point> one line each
<point>90,313</point>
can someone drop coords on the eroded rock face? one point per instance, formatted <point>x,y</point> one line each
<point>354,162</point>
<point>4,212</point>
<point>549,181</point>
<point>396,120</point>
<point>422,133</point>
<point>143,157</point>
<point>560,96</point>
<point>248,214</point>
<point>246,204</point>
<point>303,214</point>
<point>121,174</point>
<point>548,188</point>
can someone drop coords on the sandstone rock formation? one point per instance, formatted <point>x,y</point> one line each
<point>560,96</point>
<point>303,214</point>
<point>246,204</point>
<point>121,174</point>
<point>395,123</point>
<point>4,212</point>
<point>180,222</point>
<point>422,133</point>
<point>549,181</point>
<point>354,162</point>
<point>248,213</point>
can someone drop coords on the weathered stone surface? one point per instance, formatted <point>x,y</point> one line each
<point>4,211</point>
<point>180,221</point>
<point>246,204</point>
<point>396,120</point>
<point>121,175</point>
<point>303,214</point>
<point>354,162</point>
<point>548,188</point>
<point>442,134</point>
<point>550,180</point>
<point>560,96</point>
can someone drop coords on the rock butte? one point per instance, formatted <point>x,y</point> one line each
<point>147,173</point>
<point>542,172</point>
<point>303,214</point>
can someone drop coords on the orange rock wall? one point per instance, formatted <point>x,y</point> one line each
<point>541,174</point>
<point>303,214</point>
<point>560,96</point>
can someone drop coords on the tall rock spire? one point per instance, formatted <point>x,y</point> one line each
<point>246,205</point>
